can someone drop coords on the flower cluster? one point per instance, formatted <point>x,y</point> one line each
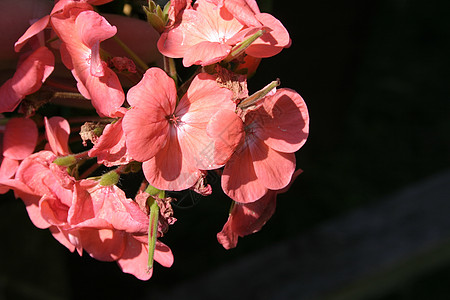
<point>144,121</point>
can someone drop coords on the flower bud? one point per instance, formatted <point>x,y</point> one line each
<point>109,179</point>
<point>156,16</point>
<point>65,161</point>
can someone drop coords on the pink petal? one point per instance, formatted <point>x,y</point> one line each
<point>30,200</point>
<point>244,11</point>
<point>57,131</point>
<point>145,125</point>
<point>208,24</point>
<point>251,217</point>
<point>33,30</point>
<point>202,100</point>
<point>163,255</point>
<point>20,138</point>
<point>205,53</point>
<point>227,237</point>
<point>106,207</point>
<point>62,236</point>
<point>220,23</point>
<point>134,259</point>
<point>92,29</point>
<point>286,126</point>
<point>273,41</point>
<point>103,244</point>
<point>52,210</point>
<point>104,87</point>
<point>169,170</point>
<point>8,169</point>
<point>29,76</point>
<point>274,169</point>
<point>227,131</point>
<point>239,180</point>
<point>176,41</point>
<point>106,93</point>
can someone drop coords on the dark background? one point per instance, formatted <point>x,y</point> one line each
<point>375,77</point>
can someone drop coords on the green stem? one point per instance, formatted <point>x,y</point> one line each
<point>241,47</point>
<point>259,94</point>
<point>130,52</point>
<point>170,68</point>
<point>152,229</point>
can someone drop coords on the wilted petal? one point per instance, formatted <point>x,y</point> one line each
<point>110,148</point>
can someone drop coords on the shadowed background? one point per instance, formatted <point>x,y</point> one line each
<point>375,77</point>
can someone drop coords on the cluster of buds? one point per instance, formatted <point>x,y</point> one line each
<point>167,131</point>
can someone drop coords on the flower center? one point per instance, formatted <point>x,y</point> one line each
<point>174,120</point>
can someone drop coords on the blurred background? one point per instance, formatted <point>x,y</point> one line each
<point>368,217</point>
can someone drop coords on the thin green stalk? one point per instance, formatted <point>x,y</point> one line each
<point>170,68</point>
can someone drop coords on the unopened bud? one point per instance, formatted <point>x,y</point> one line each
<point>152,191</point>
<point>65,161</point>
<point>156,16</point>
<point>253,99</point>
<point>109,179</point>
<point>242,46</point>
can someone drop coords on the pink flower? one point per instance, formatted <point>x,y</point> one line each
<point>81,30</point>
<point>171,140</point>
<point>265,160</point>
<point>114,228</point>
<point>202,36</point>
<point>206,34</point>
<point>245,219</point>
<point>27,79</point>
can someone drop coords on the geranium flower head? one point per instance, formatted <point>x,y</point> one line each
<point>266,160</point>
<point>170,139</point>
